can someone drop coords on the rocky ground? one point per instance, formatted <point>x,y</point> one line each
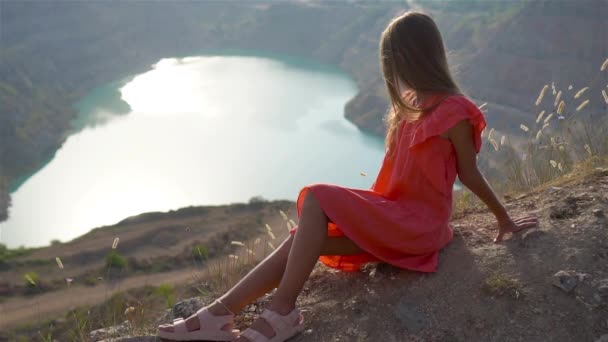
<point>548,283</point>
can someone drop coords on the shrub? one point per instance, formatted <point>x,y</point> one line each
<point>8,253</point>
<point>200,253</point>
<point>167,292</point>
<point>114,259</point>
<point>257,199</point>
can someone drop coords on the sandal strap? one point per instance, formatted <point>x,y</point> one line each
<point>280,322</point>
<point>179,325</point>
<point>254,335</point>
<point>209,320</point>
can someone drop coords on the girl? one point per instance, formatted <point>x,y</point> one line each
<point>434,133</point>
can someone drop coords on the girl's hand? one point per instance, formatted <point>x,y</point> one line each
<point>512,226</point>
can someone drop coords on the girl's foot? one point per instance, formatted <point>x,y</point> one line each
<point>193,323</point>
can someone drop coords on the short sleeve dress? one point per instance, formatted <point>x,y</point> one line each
<point>403,219</point>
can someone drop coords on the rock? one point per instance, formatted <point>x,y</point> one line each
<point>565,280</point>
<point>566,209</point>
<point>411,318</point>
<point>598,212</point>
<point>115,331</point>
<point>187,307</point>
<point>184,309</point>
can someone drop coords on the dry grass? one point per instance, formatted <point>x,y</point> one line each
<point>223,273</point>
<point>502,285</point>
<point>555,144</point>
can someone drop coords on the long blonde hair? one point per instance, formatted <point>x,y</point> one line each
<point>412,50</point>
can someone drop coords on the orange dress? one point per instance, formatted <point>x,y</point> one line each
<point>403,219</point>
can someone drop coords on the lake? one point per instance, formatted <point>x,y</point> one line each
<point>197,130</point>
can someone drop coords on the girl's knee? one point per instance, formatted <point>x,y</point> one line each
<point>311,202</point>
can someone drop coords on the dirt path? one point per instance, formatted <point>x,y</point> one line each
<point>17,310</point>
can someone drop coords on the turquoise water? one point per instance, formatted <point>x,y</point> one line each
<point>198,130</point>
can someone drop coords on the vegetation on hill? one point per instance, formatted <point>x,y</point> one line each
<point>149,243</point>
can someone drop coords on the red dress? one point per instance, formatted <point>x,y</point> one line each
<point>403,219</point>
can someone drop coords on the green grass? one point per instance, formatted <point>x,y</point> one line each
<point>7,254</point>
<point>503,286</point>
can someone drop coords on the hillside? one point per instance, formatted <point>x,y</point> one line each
<point>504,52</point>
<point>564,45</point>
<point>155,247</point>
<point>544,284</point>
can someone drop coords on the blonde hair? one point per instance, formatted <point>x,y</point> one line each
<point>411,51</point>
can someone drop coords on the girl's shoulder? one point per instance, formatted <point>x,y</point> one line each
<point>457,103</point>
<point>451,110</point>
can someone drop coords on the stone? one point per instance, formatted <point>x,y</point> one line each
<point>184,308</point>
<point>598,212</point>
<point>565,280</point>
<point>567,208</point>
<point>122,329</point>
<point>187,307</point>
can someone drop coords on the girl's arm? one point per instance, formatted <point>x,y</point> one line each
<point>461,136</point>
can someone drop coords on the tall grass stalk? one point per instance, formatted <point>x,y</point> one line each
<point>561,141</point>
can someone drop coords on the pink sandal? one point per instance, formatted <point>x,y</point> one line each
<point>210,328</point>
<point>282,325</point>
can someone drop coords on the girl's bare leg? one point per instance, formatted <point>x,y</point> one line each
<point>307,247</point>
<point>264,277</point>
<point>267,275</point>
